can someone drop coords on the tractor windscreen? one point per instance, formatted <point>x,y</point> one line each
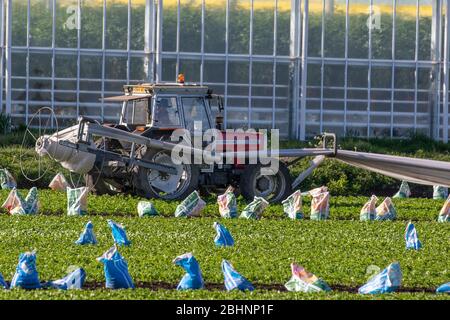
<point>137,112</point>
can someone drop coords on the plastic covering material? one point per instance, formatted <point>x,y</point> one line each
<point>445,288</point>
<point>116,270</point>
<point>146,209</point>
<point>223,237</point>
<point>77,201</point>
<point>15,203</point>
<point>368,211</point>
<point>234,280</point>
<point>87,236</point>
<point>191,206</point>
<point>411,237</point>
<point>118,233</point>
<point>388,280</point>
<point>3,283</point>
<point>254,209</point>
<point>444,214</point>
<point>74,280</point>
<point>26,276</point>
<point>320,206</point>
<point>193,278</point>
<point>404,191</point>
<point>386,210</point>
<point>59,183</point>
<point>440,192</point>
<point>7,180</point>
<point>227,204</point>
<point>305,281</point>
<point>292,206</point>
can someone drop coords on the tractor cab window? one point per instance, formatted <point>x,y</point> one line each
<point>194,113</point>
<point>166,113</point>
<point>137,112</point>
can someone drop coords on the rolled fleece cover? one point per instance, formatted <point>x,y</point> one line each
<point>116,270</point>
<point>234,280</point>
<point>146,208</point>
<point>445,288</point>
<point>314,191</point>
<point>3,283</point>
<point>223,237</point>
<point>118,233</point>
<point>191,206</point>
<point>16,204</point>
<point>404,191</point>
<point>368,211</point>
<point>411,237</point>
<point>74,280</point>
<point>87,236</point>
<point>7,180</point>
<point>304,281</point>
<point>26,276</point>
<point>386,210</point>
<point>440,192</point>
<point>320,207</point>
<point>227,204</point>
<point>388,280</point>
<point>193,278</point>
<point>77,201</point>
<point>254,209</point>
<point>58,183</point>
<point>292,206</point>
<point>444,214</point>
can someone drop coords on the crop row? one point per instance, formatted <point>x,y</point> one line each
<point>343,253</point>
<point>341,208</point>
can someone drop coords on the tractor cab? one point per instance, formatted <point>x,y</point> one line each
<point>169,106</point>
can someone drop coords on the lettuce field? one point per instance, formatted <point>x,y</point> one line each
<point>343,251</point>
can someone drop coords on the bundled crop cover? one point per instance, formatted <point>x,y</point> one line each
<point>77,201</point>
<point>74,280</point>
<point>444,214</point>
<point>116,270</point>
<point>191,206</point>
<point>292,206</point>
<point>305,281</point>
<point>254,209</point>
<point>411,237</point>
<point>7,180</point>
<point>17,204</point>
<point>59,183</point>
<point>118,233</point>
<point>369,211</point>
<point>3,283</point>
<point>440,192</point>
<point>227,204</point>
<point>26,276</point>
<point>445,288</point>
<point>146,208</point>
<point>233,279</point>
<point>404,191</point>
<point>320,206</point>
<point>388,280</point>
<point>87,236</point>
<point>386,210</point>
<point>223,237</point>
<point>193,277</point>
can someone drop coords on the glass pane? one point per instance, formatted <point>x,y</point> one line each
<point>334,42</point>
<point>358,38</point>
<point>215,26</point>
<point>116,24</point>
<point>263,18</point>
<point>66,27</point>
<point>40,23</point>
<point>137,24</point>
<point>19,23</point>
<point>166,113</point>
<point>91,24</point>
<point>239,27</point>
<point>194,112</point>
<point>405,34</point>
<point>190,26</point>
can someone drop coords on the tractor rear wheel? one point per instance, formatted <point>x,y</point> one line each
<point>155,184</point>
<point>273,188</point>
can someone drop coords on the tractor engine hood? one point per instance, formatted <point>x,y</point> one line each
<point>71,159</point>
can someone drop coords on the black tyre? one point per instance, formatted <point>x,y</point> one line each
<point>273,188</point>
<point>154,184</point>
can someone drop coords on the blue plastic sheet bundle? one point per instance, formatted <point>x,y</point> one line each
<point>26,276</point>
<point>445,288</point>
<point>193,278</point>
<point>146,209</point>
<point>74,280</point>
<point>118,233</point>
<point>440,193</point>
<point>411,237</point>
<point>116,270</point>
<point>233,279</point>
<point>388,280</point>
<point>404,191</point>
<point>87,236</point>
<point>223,237</point>
<point>3,283</point>
<point>7,181</point>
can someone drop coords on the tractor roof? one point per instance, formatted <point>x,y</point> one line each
<point>166,88</point>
